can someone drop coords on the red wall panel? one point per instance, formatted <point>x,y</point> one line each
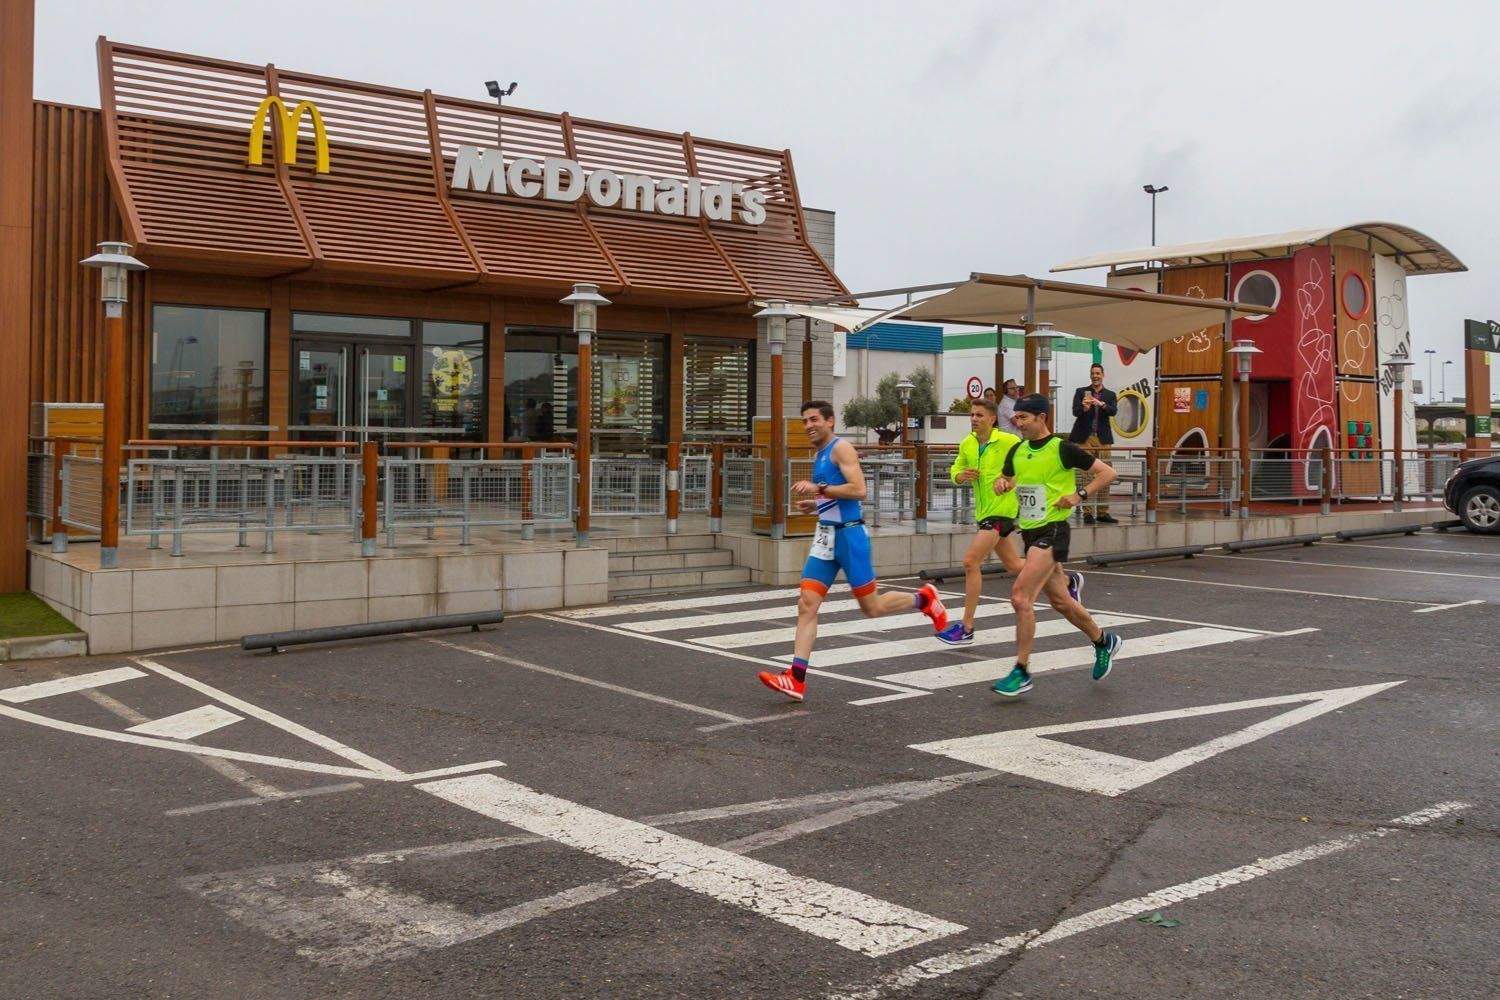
<point>1275,335</point>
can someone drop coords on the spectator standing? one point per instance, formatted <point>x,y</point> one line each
<point>1093,405</point>
<point>1006,407</point>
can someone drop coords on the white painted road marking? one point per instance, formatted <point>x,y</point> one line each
<point>67,685</point>
<point>855,626</point>
<point>188,725</point>
<point>684,603</point>
<point>867,653</point>
<point>333,746</point>
<point>578,678</point>
<point>848,918</point>
<point>787,609</point>
<point>1028,752</point>
<point>1153,577</point>
<point>1371,569</point>
<point>258,800</point>
<point>980,671</point>
<point>1448,607</point>
<point>983,954</point>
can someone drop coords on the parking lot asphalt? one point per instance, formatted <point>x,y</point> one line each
<point>1294,763</point>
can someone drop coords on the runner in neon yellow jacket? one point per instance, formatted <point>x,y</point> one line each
<point>980,460</point>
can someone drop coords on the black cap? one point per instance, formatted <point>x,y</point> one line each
<point>1034,403</point>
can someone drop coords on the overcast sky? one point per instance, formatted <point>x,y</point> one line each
<point>957,137</point>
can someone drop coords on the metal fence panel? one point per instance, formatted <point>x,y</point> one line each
<point>1194,479</point>
<point>628,487</point>
<point>428,494</point>
<point>39,486</point>
<point>745,487</point>
<point>696,474</point>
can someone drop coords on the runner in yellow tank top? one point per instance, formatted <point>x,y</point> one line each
<point>1043,469</point>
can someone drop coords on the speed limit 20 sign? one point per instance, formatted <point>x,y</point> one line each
<point>975,387</point>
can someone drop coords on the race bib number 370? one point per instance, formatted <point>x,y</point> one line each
<point>1033,501</point>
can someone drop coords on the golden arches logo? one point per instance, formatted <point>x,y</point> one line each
<point>290,123</point>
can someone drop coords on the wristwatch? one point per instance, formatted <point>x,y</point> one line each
<point>822,489</point>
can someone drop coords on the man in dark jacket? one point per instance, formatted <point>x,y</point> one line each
<point>1093,405</point>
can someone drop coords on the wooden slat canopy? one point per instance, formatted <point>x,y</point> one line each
<point>177,130</point>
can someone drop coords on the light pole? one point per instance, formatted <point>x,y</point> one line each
<point>904,388</point>
<point>114,263</point>
<point>1244,352</point>
<point>585,301</point>
<point>499,94</point>
<point>1444,398</point>
<point>1430,354</point>
<point>774,316</point>
<point>1153,191</point>
<point>1041,334</point>
<point>1398,367</point>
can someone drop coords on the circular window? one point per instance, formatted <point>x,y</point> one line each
<point>1356,297</point>
<point>1258,288</point>
<point>1132,414</point>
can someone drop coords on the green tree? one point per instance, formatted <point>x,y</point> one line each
<point>883,410</point>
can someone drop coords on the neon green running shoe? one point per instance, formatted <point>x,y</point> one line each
<point>1015,683</point>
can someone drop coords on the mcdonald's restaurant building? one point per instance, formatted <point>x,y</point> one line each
<point>326,256</point>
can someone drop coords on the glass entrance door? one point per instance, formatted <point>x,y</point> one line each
<point>352,388</point>
<point>383,396</point>
<point>321,388</point>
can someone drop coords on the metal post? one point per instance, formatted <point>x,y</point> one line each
<point>390,500</point>
<point>585,300</point>
<point>369,477</point>
<point>1153,485</point>
<point>674,485</point>
<point>775,315</point>
<point>1028,371</point>
<point>1326,485</point>
<point>270,509</point>
<point>924,486</point>
<point>716,489</point>
<point>528,491</point>
<point>463,489</point>
<point>244,505</point>
<point>177,513</point>
<point>60,451</point>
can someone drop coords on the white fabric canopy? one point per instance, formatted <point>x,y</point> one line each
<point>1135,320</point>
<point>1416,252</point>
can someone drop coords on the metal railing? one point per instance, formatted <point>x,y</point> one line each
<point>628,487</point>
<point>746,487</point>
<point>427,494</point>
<point>697,475</point>
<point>39,485</point>
<point>1198,479</point>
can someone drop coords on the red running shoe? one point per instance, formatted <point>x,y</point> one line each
<point>934,607</point>
<point>785,683</point>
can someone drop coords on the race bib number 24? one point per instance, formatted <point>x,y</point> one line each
<point>822,545</point>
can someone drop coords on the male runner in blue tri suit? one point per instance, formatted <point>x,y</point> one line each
<point>835,491</point>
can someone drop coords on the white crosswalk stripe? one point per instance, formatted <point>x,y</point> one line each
<point>853,626</point>
<point>726,622</point>
<point>870,652</point>
<point>979,671</point>
<point>67,685</point>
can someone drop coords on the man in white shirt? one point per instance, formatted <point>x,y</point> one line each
<point>1006,407</point>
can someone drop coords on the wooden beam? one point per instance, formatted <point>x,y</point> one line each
<point>17,33</point>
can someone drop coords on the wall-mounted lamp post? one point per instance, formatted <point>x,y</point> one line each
<point>585,301</point>
<point>1244,352</point>
<point>1398,367</point>
<point>774,317</point>
<point>1042,336</point>
<point>114,264</point>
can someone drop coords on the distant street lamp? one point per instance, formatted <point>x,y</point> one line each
<point>774,316</point>
<point>1444,398</point>
<point>1430,380</point>
<point>114,264</point>
<point>1153,191</point>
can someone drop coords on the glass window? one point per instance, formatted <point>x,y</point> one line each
<point>1355,296</point>
<point>452,357</point>
<point>208,366</point>
<point>1258,288</point>
<point>541,389</point>
<point>716,389</point>
<point>350,326</point>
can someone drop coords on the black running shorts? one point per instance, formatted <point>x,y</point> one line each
<point>1054,536</point>
<point>1004,525</point>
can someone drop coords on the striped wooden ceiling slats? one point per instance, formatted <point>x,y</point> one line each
<point>179,126</point>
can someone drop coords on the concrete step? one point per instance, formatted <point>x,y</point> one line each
<point>628,583</point>
<point>663,560</point>
<point>653,543</point>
